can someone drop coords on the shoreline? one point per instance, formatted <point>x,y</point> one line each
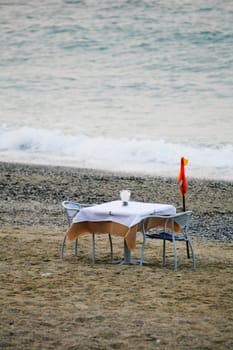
<point>99,172</point>
<point>137,173</point>
<point>32,195</point>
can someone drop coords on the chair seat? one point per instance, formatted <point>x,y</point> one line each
<point>164,235</point>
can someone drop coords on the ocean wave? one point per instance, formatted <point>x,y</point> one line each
<point>158,157</point>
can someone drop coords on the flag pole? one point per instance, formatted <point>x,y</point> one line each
<point>183,189</point>
<point>182,179</point>
<point>184,209</point>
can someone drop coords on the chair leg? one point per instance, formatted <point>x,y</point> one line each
<point>164,252</point>
<point>193,254</point>
<point>76,247</point>
<point>63,247</point>
<point>93,248</point>
<point>143,249</point>
<point>111,249</point>
<point>175,254</point>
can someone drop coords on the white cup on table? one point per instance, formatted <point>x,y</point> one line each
<point>125,196</point>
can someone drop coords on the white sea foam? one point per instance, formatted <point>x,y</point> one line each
<point>143,156</point>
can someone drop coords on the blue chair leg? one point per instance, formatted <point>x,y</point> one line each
<point>111,249</point>
<point>93,248</point>
<point>143,249</point>
<point>76,247</point>
<point>175,254</point>
<point>63,247</point>
<point>193,255</point>
<point>164,252</point>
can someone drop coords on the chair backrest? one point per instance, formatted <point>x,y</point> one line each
<point>183,218</point>
<point>71,209</point>
<point>179,221</point>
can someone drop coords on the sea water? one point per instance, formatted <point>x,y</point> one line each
<point>120,85</point>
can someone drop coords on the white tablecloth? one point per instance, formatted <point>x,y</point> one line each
<point>129,215</point>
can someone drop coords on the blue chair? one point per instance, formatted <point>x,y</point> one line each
<point>168,233</point>
<point>71,209</point>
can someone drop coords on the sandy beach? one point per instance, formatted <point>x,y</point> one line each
<point>49,303</point>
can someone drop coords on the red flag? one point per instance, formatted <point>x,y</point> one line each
<point>181,177</point>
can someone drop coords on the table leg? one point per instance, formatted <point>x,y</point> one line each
<point>127,254</point>
<point>127,257</point>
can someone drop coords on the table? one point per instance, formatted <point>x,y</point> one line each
<point>116,219</point>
